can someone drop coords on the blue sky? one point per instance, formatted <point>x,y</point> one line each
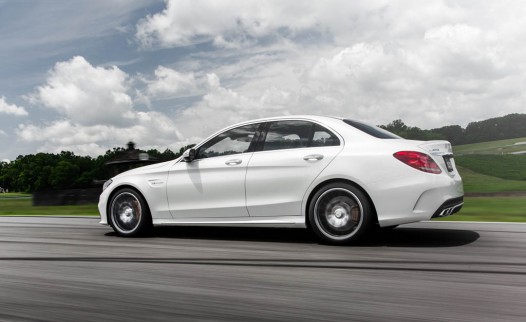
<point>86,76</point>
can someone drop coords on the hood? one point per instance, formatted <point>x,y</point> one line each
<point>148,168</point>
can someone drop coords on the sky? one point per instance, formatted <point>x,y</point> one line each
<point>89,75</point>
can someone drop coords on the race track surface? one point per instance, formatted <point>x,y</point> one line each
<point>73,269</point>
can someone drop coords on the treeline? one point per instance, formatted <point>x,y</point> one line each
<point>506,127</point>
<point>47,171</point>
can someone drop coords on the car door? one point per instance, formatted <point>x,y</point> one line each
<point>289,157</point>
<point>213,184</point>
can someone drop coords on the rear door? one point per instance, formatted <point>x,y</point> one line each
<point>288,158</point>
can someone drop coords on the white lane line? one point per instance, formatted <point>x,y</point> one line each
<point>475,222</point>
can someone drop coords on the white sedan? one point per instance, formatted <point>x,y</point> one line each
<point>339,177</point>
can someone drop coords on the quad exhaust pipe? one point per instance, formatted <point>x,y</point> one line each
<point>450,210</point>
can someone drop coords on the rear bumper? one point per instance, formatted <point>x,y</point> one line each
<point>413,203</point>
<point>449,207</point>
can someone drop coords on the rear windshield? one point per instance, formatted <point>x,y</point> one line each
<point>372,130</point>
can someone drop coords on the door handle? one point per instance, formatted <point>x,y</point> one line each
<point>313,157</point>
<point>233,162</point>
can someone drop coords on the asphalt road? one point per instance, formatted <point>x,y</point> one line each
<point>73,269</point>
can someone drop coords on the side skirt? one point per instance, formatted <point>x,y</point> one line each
<point>285,222</point>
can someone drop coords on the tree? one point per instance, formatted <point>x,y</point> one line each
<point>453,133</point>
<point>64,175</point>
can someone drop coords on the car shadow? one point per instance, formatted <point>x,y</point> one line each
<point>280,235</point>
<point>398,237</point>
<point>421,237</point>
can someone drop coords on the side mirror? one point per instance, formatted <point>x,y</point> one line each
<point>189,155</point>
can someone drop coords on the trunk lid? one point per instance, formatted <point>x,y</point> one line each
<point>442,152</point>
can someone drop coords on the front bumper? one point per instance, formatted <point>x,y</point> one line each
<point>102,206</point>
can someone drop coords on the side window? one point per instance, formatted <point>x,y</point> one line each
<point>287,135</point>
<point>323,137</point>
<point>297,134</point>
<point>230,142</point>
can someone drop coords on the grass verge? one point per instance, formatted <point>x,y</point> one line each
<point>503,209</point>
<point>24,207</point>
<point>10,195</point>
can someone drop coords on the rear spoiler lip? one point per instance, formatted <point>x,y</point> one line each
<point>437,147</point>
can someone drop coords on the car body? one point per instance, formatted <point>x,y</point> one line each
<point>339,177</point>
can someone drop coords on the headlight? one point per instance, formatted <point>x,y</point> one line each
<point>106,184</point>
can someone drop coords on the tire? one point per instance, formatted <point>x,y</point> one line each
<point>129,214</point>
<point>340,213</point>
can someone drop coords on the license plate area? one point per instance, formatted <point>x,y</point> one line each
<point>449,163</point>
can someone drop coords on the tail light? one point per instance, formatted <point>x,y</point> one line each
<point>418,160</point>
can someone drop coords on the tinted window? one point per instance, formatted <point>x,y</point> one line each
<point>230,142</point>
<point>297,134</point>
<point>372,130</point>
<point>323,137</point>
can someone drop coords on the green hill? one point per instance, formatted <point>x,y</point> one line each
<point>475,182</point>
<point>492,147</point>
<point>507,166</point>
<point>493,166</point>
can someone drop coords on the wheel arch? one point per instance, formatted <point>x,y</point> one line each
<point>337,180</point>
<point>119,188</point>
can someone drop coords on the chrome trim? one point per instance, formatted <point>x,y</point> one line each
<point>450,210</point>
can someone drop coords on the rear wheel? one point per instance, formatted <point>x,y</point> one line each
<point>340,213</point>
<point>129,213</point>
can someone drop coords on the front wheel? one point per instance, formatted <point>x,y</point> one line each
<point>129,213</point>
<point>340,213</point>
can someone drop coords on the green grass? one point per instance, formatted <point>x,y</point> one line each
<point>511,167</point>
<point>24,207</point>
<point>491,147</point>
<point>503,209</point>
<point>14,195</point>
<point>476,182</point>
<point>492,209</point>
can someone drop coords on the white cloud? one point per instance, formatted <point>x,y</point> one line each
<point>97,112</point>
<point>11,109</point>
<point>186,21</point>
<point>169,83</point>
<point>151,130</point>
<point>239,23</point>
<point>376,82</point>
<point>86,94</point>
<point>430,63</point>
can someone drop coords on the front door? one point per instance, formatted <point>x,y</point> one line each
<point>213,185</point>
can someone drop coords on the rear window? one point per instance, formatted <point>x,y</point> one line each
<point>372,130</point>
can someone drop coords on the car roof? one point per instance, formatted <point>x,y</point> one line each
<point>333,122</point>
<point>319,118</point>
